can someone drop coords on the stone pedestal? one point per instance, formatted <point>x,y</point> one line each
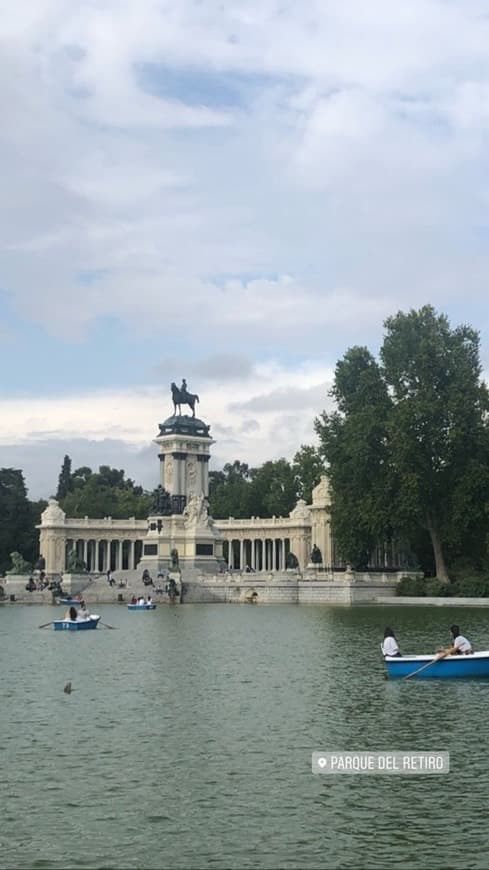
<point>192,534</point>
<point>184,451</point>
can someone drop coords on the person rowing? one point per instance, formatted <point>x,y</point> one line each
<point>460,645</point>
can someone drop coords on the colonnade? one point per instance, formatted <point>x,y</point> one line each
<point>258,554</point>
<point>101,555</point>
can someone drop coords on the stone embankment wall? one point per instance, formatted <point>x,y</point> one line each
<point>286,588</point>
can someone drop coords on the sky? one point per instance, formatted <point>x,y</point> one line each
<point>234,193</point>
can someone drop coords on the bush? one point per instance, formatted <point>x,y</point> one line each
<point>411,586</point>
<point>437,588</point>
<point>472,586</point>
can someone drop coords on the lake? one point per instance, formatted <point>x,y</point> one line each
<point>187,740</point>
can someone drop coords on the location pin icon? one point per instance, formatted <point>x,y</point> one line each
<point>322,762</point>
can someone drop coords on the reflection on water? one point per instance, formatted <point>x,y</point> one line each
<point>187,741</point>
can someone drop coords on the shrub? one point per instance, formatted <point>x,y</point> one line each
<point>411,586</point>
<point>437,588</point>
<point>472,586</point>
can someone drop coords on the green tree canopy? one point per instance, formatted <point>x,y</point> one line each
<point>308,467</point>
<point>354,443</point>
<point>408,446</point>
<point>65,481</point>
<point>105,493</point>
<point>18,518</point>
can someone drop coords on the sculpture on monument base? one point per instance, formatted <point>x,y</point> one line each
<point>197,511</point>
<point>291,561</point>
<point>175,564</point>
<point>182,397</point>
<point>19,564</point>
<point>74,565</point>
<point>162,505</point>
<point>316,557</point>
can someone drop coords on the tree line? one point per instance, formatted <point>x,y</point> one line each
<point>237,490</point>
<point>406,450</point>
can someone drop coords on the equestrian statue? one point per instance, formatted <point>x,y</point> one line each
<point>182,397</point>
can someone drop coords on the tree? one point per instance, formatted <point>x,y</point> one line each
<point>439,438</point>
<point>65,482</point>
<point>17,518</point>
<point>230,492</point>
<point>353,442</point>
<point>308,467</point>
<point>274,489</point>
<point>105,493</point>
<point>408,445</point>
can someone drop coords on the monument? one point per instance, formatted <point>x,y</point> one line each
<point>180,519</point>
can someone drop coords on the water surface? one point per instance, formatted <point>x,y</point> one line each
<point>187,741</point>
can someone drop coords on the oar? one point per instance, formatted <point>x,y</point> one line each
<point>106,625</point>
<point>427,665</point>
<point>46,624</point>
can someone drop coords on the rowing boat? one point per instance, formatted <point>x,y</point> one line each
<point>473,665</point>
<point>75,624</point>
<point>141,606</point>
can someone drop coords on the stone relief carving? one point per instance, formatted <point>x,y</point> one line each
<point>191,476</point>
<point>168,471</point>
<point>301,511</point>
<point>197,512</point>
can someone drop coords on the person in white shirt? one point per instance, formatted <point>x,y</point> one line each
<point>149,600</point>
<point>460,646</point>
<point>390,646</point>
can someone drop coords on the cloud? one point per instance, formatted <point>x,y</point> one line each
<point>286,398</point>
<point>231,195</point>
<point>117,427</point>
<point>218,367</point>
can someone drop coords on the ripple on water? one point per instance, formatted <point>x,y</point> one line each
<point>188,742</point>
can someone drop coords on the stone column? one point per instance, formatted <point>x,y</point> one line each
<point>85,552</point>
<point>230,554</point>
<point>253,554</point>
<point>121,555</point>
<point>131,564</point>
<point>241,554</point>
<point>97,555</point>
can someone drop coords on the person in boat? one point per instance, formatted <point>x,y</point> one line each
<point>460,645</point>
<point>390,647</point>
<point>141,600</point>
<point>71,613</point>
<point>83,613</point>
<point>134,600</point>
<point>149,600</point>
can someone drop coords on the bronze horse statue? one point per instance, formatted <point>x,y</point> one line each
<point>183,398</point>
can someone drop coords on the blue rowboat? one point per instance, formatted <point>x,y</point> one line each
<point>141,606</point>
<point>451,667</point>
<point>75,625</point>
<point>70,602</point>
